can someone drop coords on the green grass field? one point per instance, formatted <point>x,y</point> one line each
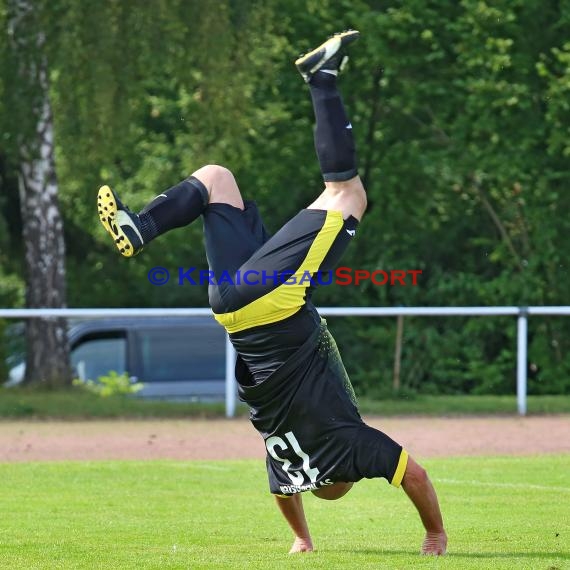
<point>500,513</point>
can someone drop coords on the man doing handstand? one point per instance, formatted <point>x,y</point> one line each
<point>288,368</point>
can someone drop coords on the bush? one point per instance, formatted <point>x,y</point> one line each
<point>113,384</point>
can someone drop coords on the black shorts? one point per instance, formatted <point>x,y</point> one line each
<point>307,415</point>
<point>258,279</point>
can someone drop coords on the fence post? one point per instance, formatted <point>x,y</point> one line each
<point>522,339</point>
<point>398,353</point>
<point>230,379</point>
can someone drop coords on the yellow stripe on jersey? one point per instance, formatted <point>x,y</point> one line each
<point>401,469</point>
<point>286,299</point>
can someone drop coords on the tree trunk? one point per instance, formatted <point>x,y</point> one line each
<point>47,359</point>
<point>47,348</point>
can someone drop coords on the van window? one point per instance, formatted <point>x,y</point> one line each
<point>181,353</point>
<point>96,357</point>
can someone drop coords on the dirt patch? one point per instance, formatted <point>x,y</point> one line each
<point>237,439</point>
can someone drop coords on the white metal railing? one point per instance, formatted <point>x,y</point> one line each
<point>522,314</point>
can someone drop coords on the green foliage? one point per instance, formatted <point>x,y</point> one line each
<point>113,384</point>
<point>461,115</point>
<point>11,295</point>
<point>11,290</point>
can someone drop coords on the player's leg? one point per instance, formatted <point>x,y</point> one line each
<point>333,492</point>
<point>334,141</point>
<point>313,241</point>
<point>419,489</point>
<point>221,185</point>
<point>176,207</point>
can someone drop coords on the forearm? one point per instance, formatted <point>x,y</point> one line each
<point>419,489</point>
<point>292,510</point>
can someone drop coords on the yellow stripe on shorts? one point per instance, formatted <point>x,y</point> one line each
<point>401,469</point>
<point>286,299</point>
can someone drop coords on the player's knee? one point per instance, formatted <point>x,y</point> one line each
<point>214,174</point>
<point>221,173</point>
<point>333,492</point>
<point>221,184</point>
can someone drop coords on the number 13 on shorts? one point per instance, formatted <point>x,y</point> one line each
<point>296,476</point>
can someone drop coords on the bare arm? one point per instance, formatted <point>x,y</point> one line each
<point>419,489</point>
<point>292,510</point>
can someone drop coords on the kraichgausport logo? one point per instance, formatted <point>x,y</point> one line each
<point>343,276</point>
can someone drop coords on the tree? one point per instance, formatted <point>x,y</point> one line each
<point>47,359</point>
<point>460,110</point>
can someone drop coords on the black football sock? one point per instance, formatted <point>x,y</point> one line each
<point>176,207</point>
<point>334,141</point>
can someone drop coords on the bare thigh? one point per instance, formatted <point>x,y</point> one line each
<point>347,197</point>
<point>333,492</point>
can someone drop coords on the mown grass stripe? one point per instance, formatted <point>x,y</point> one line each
<point>521,486</point>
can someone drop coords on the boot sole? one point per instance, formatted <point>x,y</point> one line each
<point>107,209</point>
<point>333,44</point>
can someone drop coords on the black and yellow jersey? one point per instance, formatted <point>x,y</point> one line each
<point>288,368</point>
